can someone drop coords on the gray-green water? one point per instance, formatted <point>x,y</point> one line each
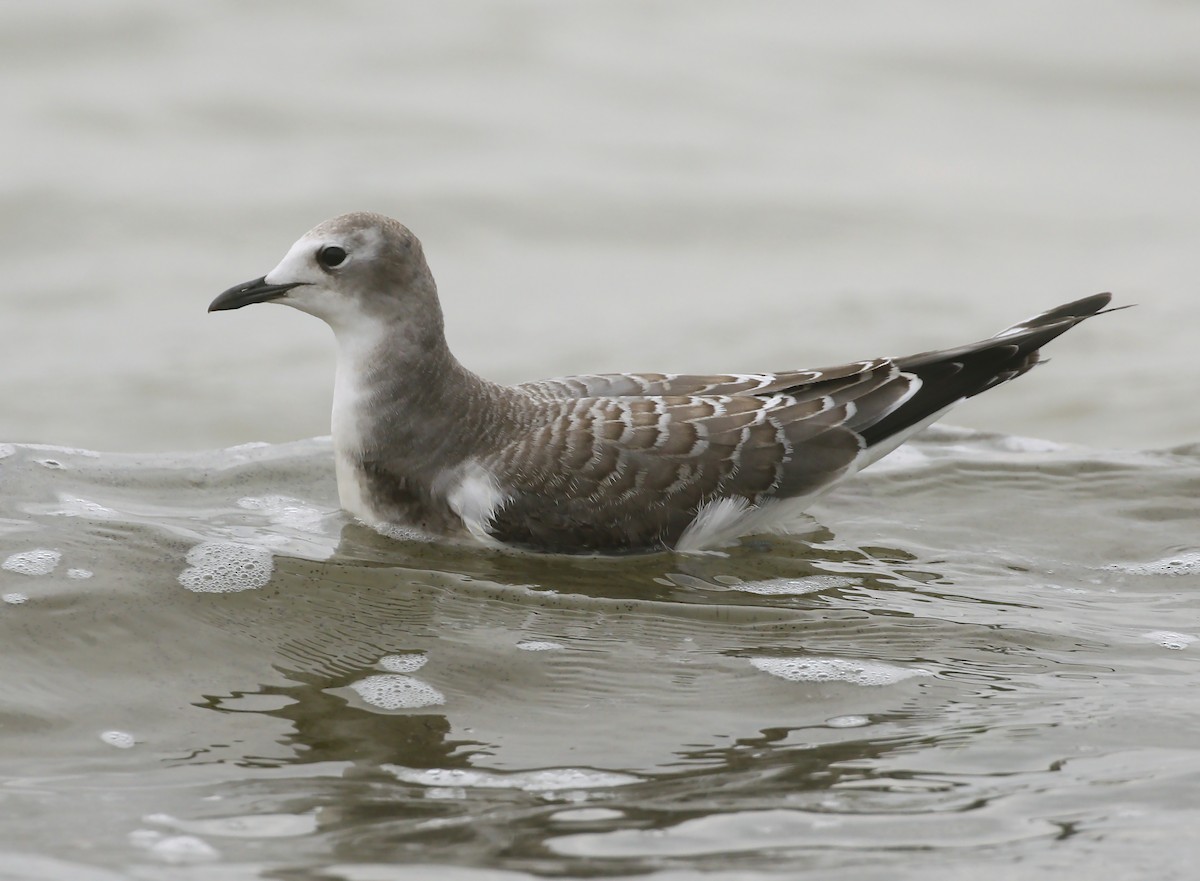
<point>980,663</point>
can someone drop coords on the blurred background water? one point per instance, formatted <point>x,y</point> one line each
<point>983,659</point>
<point>637,185</point>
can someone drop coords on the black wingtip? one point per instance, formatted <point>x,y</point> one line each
<point>1077,310</point>
<point>950,375</point>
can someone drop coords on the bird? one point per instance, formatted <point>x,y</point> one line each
<point>601,464</point>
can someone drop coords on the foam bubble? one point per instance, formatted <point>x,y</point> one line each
<point>1169,639</point>
<point>40,561</point>
<point>180,849</point>
<point>15,599</point>
<point>285,511</point>
<point>1059,587</point>
<point>539,645</point>
<point>410,663</point>
<point>224,567</point>
<point>795,586</point>
<point>1187,563</point>
<point>545,780</point>
<point>144,838</point>
<point>79,574</point>
<point>70,451</point>
<point>391,691</point>
<point>847,721</point>
<point>586,815</point>
<point>245,826</point>
<point>906,456</point>
<point>119,739</point>
<point>72,506</point>
<point>399,532</point>
<point>1019,444</point>
<point>836,670</point>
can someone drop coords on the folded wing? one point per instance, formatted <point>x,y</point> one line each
<point>625,462</point>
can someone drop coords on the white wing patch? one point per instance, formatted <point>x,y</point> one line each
<point>476,497</point>
<point>722,521</point>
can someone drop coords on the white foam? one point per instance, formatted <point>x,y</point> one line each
<point>144,838</point>
<point>1019,444</point>
<point>246,826</point>
<point>15,599</point>
<point>173,848</point>
<point>545,780</point>
<point>79,574</point>
<point>40,561</point>
<point>902,457</point>
<point>1187,563</point>
<point>224,567</point>
<point>73,506</point>
<point>1059,587</point>
<point>398,532</point>
<point>539,645</point>
<point>285,511</point>
<point>6,450</point>
<point>847,721</point>
<point>410,663</point>
<point>119,739</point>
<point>70,451</point>
<point>836,670</point>
<point>390,691</point>
<point>795,586</point>
<point>1169,639</point>
<point>586,815</point>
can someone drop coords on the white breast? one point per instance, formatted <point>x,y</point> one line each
<point>349,399</point>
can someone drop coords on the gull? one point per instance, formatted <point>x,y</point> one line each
<point>595,464</point>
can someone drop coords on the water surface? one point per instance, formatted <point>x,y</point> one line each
<point>983,654</point>
<point>659,186</point>
<point>981,661</point>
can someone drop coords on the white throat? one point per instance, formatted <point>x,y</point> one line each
<point>358,348</point>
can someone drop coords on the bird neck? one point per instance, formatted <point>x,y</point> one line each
<point>408,403</point>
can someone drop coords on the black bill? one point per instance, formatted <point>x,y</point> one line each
<point>257,291</point>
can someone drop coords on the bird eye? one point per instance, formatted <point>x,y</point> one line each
<point>331,256</point>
